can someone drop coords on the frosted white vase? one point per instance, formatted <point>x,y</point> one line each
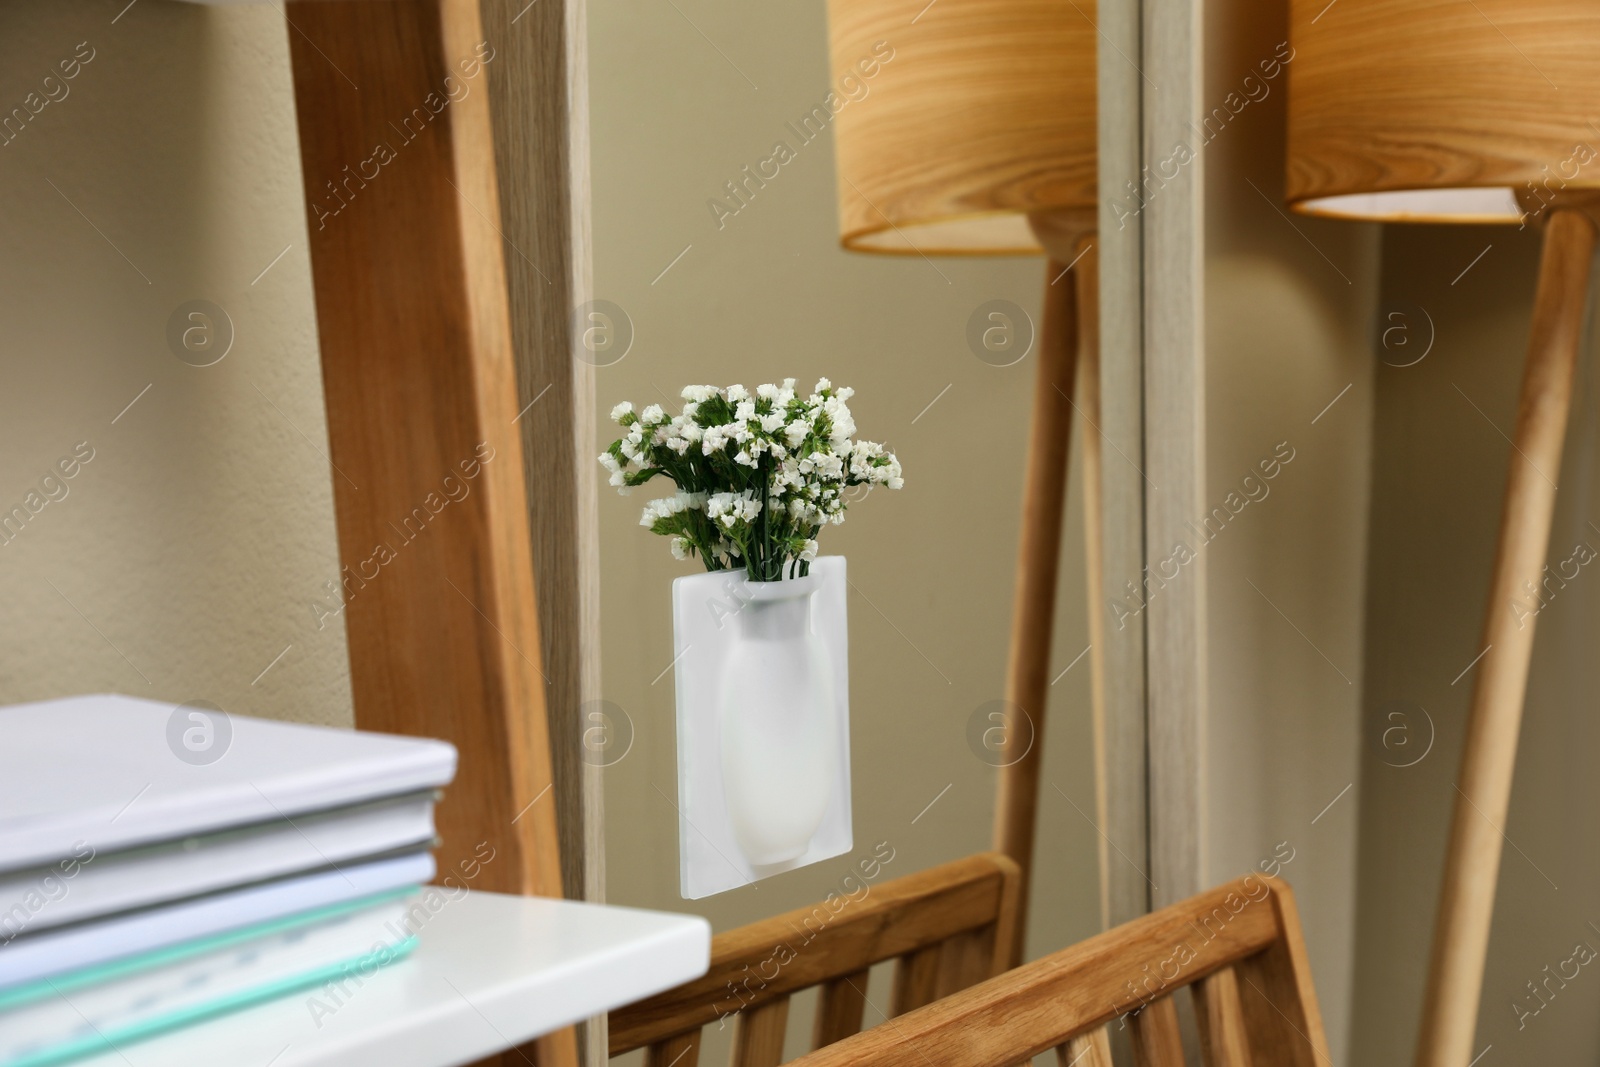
<point>762,675</point>
<point>779,726</point>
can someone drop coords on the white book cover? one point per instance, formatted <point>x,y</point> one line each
<point>105,773</point>
<point>59,1020</point>
<point>109,882</point>
<point>49,953</point>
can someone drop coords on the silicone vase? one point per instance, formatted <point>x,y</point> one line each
<point>778,721</point>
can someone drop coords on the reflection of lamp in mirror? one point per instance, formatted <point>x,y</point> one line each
<point>976,136</point>
<point>1439,111</point>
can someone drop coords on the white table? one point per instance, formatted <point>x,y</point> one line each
<point>492,971</point>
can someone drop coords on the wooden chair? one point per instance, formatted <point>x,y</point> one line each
<point>947,928</point>
<point>1237,948</point>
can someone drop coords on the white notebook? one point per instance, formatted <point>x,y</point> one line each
<point>41,898</point>
<point>89,944</point>
<point>57,1021</point>
<point>105,773</point>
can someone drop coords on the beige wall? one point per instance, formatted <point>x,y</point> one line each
<point>187,554</point>
<point>771,295</point>
<point>1438,473</point>
<point>1288,321</point>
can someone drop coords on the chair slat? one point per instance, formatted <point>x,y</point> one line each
<point>1086,1050</point>
<point>680,1051</point>
<point>916,980</point>
<point>1157,1041</point>
<point>1280,1005</point>
<point>840,1006</point>
<point>758,1034</point>
<point>1223,1042</point>
<point>966,960</point>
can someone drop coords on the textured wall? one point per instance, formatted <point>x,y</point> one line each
<point>189,554</point>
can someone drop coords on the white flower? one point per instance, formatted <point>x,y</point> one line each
<point>808,551</point>
<point>609,462</point>
<point>796,432</point>
<point>767,392</point>
<point>664,508</point>
<point>653,415</point>
<point>823,385</point>
<point>731,508</point>
<point>682,548</point>
<point>737,393</point>
<point>621,410</point>
<point>699,394</point>
<point>843,425</point>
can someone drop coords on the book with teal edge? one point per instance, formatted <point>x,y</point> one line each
<point>99,1009</point>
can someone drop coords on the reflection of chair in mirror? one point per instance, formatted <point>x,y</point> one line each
<point>946,928</point>
<point>1421,111</point>
<point>978,137</point>
<point>1237,949</point>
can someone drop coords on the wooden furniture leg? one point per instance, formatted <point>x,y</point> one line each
<point>437,587</point>
<point>1087,273</point>
<point>1033,612</point>
<point>538,102</point>
<point>1044,493</point>
<point>1472,865</point>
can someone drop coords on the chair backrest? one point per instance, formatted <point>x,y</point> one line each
<point>946,927</point>
<point>1237,948</point>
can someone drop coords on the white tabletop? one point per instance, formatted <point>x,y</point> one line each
<point>492,971</point>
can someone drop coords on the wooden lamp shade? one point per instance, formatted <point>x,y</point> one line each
<point>1442,111</point>
<point>983,112</point>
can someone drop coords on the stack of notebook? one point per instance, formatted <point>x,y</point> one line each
<point>143,887</point>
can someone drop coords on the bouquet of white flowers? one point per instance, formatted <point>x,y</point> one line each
<point>757,476</point>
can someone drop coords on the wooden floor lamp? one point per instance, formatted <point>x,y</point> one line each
<point>976,136</point>
<point>1433,110</point>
